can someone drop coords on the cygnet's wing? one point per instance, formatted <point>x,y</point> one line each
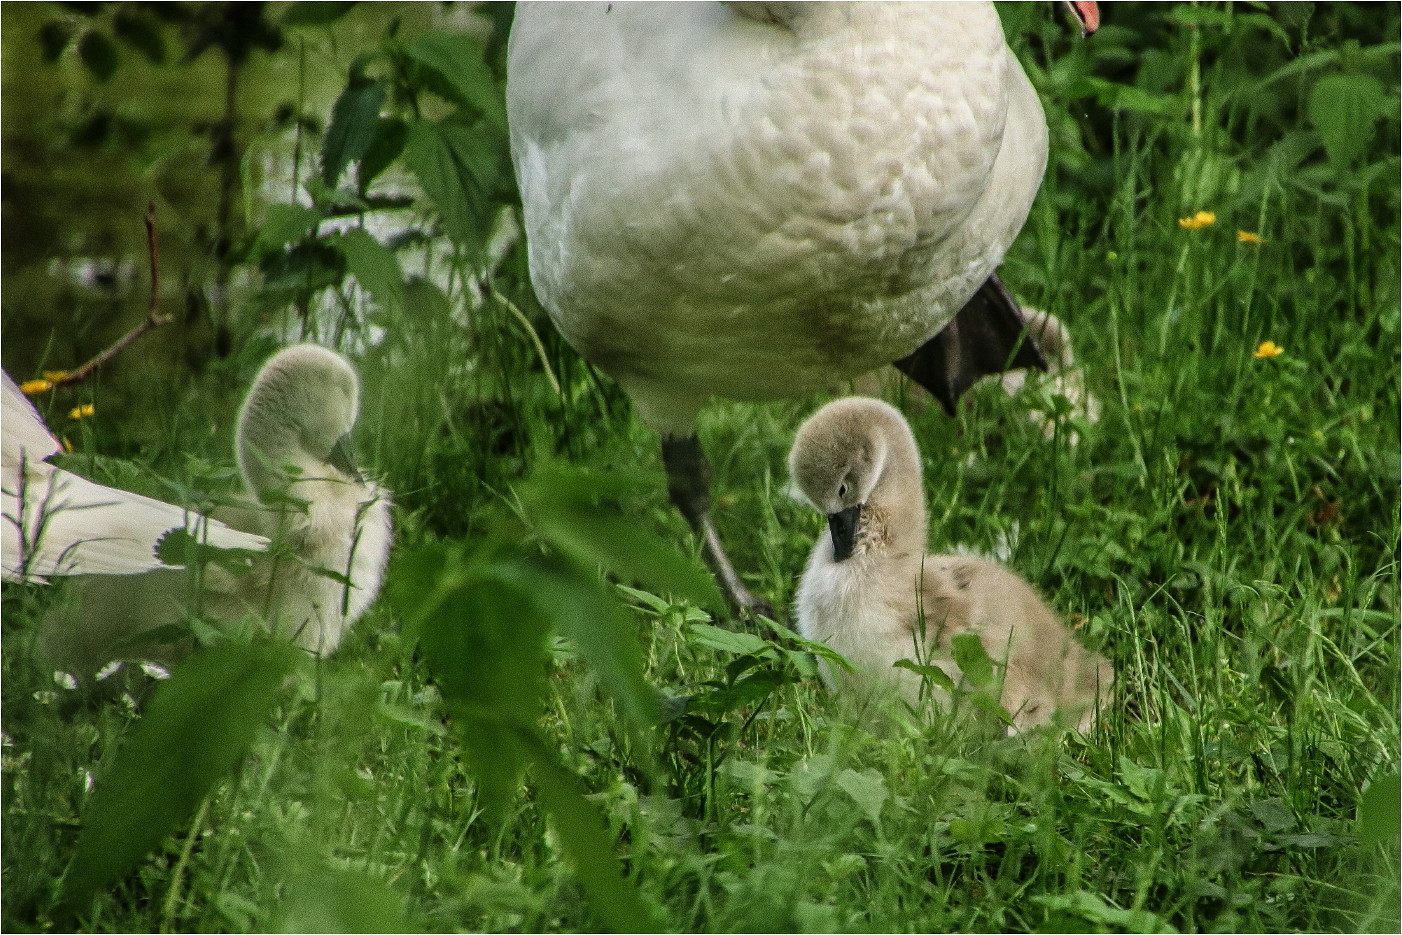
<point>57,523</point>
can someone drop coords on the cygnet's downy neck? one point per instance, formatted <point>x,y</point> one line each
<point>856,461</point>
<point>296,422</point>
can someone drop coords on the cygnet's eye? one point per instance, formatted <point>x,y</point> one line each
<point>841,490</point>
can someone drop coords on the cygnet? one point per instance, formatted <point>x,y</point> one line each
<point>330,529</point>
<point>872,594</point>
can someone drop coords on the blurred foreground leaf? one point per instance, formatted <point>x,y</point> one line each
<point>196,729</point>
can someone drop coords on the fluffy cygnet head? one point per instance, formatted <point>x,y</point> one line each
<point>296,421</point>
<point>844,453</point>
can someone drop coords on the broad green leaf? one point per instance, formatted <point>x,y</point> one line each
<point>1345,110</point>
<point>972,660</point>
<point>933,674</point>
<point>460,168</point>
<point>375,267</point>
<point>462,76</point>
<point>728,641</point>
<point>354,120</point>
<point>582,611</point>
<point>867,789</point>
<point>196,729</point>
<point>386,146</point>
<point>285,224</point>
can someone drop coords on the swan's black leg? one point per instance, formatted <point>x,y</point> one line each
<point>689,484</point>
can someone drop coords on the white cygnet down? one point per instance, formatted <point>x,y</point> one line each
<point>57,523</point>
<point>329,526</point>
<point>872,594</point>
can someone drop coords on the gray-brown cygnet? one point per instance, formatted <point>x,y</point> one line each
<point>330,529</point>
<point>871,593</point>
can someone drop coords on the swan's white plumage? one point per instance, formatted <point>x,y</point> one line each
<point>889,601</point>
<point>318,511</point>
<point>57,523</point>
<point>757,200</point>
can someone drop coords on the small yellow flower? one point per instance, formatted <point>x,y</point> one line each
<point>1248,237</point>
<point>55,375</point>
<point>1198,221</point>
<point>81,412</point>
<point>30,387</point>
<point>1268,349</point>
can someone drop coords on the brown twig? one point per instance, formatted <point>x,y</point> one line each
<point>153,319</point>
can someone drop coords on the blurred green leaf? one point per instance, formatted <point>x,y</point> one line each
<point>54,37</point>
<point>728,641</point>
<point>972,660</point>
<point>455,60</point>
<point>1380,810</point>
<point>375,266</point>
<point>354,120</point>
<point>933,674</point>
<point>867,789</point>
<point>332,899</point>
<point>199,724</point>
<point>561,504</point>
<point>1345,110</point>
<point>99,54</point>
<point>140,30</point>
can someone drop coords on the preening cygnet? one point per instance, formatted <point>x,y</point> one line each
<point>871,593</point>
<point>57,523</point>
<point>329,526</point>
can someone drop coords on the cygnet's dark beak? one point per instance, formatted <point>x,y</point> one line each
<point>341,458</point>
<point>844,525</point>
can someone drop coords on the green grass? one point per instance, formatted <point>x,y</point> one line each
<point>1227,533</point>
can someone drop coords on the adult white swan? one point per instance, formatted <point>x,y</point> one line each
<point>756,200</point>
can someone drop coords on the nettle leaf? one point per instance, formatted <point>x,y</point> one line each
<point>198,726</point>
<point>727,641</point>
<point>458,72</point>
<point>1345,110</point>
<point>178,547</point>
<point>374,266</point>
<point>354,121</point>
<point>460,168</point>
<point>386,146</point>
<point>285,224</point>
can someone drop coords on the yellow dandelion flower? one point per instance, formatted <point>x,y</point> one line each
<point>1248,237</point>
<point>1198,221</point>
<point>55,375</point>
<point>81,412</point>
<point>30,387</point>
<point>1268,349</point>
